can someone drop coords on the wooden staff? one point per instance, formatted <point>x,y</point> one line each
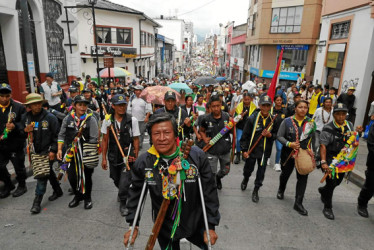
<point>117,141</point>
<point>163,209</point>
<point>261,136</point>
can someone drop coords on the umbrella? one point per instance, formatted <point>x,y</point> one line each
<point>178,86</point>
<point>163,75</point>
<point>114,72</point>
<point>220,78</point>
<point>205,81</point>
<point>155,94</point>
<point>250,86</point>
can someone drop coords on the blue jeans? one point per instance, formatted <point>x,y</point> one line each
<point>279,147</point>
<point>41,184</point>
<point>239,133</point>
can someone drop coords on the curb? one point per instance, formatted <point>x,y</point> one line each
<point>357,179</point>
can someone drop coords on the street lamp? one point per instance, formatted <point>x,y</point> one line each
<point>93,3</point>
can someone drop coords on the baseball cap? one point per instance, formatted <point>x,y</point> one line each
<point>118,99</point>
<point>80,98</point>
<point>49,75</point>
<point>170,95</point>
<point>5,88</point>
<point>86,90</point>
<point>265,100</point>
<point>73,89</point>
<point>138,87</point>
<point>340,107</point>
<point>352,88</point>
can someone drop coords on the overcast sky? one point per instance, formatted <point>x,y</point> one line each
<point>205,14</point>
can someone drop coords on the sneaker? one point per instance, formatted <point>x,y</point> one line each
<point>277,167</point>
<point>269,162</point>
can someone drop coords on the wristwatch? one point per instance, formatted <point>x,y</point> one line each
<point>323,162</point>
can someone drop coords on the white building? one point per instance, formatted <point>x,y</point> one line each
<point>345,54</point>
<point>123,33</point>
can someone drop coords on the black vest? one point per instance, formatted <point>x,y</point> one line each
<point>339,140</point>
<point>124,137</point>
<point>223,146</point>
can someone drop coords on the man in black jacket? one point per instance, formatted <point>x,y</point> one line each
<point>163,131</point>
<point>349,100</point>
<point>44,128</point>
<point>12,142</point>
<point>254,128</point>
<point>367,190</point>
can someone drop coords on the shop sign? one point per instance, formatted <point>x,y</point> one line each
<point>293,47</point>
<point>113,51</point>
<point>254,71</point>
<point>335,60</point>
<point>284,75</point>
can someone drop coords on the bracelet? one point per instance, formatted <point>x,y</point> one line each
<point>288,144</point>
<point>323,162</point>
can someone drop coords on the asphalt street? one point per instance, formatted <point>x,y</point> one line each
<point>270,224</point>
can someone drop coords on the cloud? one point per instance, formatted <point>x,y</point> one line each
<point>206,15</point>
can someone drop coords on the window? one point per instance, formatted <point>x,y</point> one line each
<point>253,24</point>
<point>143,40</point>
<point>103,35</point>
<point>294,58</point>
<point>340,30</point>
<point>286,20</point>
<point>124,36</point>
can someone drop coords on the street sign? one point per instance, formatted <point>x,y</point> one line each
<point>108,62</point>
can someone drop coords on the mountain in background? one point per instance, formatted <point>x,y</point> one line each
<point>200,38</point>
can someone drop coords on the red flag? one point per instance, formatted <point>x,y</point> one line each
<point>271,91</point>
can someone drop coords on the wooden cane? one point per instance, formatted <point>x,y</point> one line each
<point>327,173</point>
<point>117,141</point>
<point>261,136</point>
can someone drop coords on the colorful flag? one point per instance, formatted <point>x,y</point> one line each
<point>274,81</point>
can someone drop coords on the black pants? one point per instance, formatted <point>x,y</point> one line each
<point>18,160</point>
<point>249,166</point>
<point>367,190</point>
<point>41,185</point>
<point>197,239</point>
<point>121,179</point>
<point>327,191</point>
<point>285,175</point>
<point>73,180</point>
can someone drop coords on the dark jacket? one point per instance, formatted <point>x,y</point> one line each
<point>192,110</point>
<point>45,131</point>
<point>370,145</point>
<point>175,114</point>
<point>191,219</point>
<point>16,138</point>
<point>212,127</point>
<point>247,135</point>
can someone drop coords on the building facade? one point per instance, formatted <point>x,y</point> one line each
<point>345,52</point>
<point>290,25</point>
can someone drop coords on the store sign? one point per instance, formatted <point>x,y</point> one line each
<point>293,47</point>
<point>108,62</point>
<point>292,76</point>
<point>113,51</point>
<point>335,60</point>
<point>254,71</point>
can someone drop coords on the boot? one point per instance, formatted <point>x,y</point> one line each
<point>255,197</point>
<point>21,189</point>
<point>299,206</point>
<point>75,202</point>
<point>328,213</point>
<point>237,158</point>
<point>320,190</point>
<point>219,183</point>
<point>6,191</point>
<point>87,203</point>
<point>55,195</point>
<point>36,208</point>
<point>244,184</point>
<point>122,209</point>
<point>363,211</point>
<point>280,194</point>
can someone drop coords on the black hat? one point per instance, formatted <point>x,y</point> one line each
<point>80,98</point>
<point>5,88</point>
<point>120,91</point>
<point>170,95</point>
<point>73,89</point>
<point>118,99</point>
<point>265,100</point>
<point>86,90</point>
<point>340,107</point>
<point>49,75</point>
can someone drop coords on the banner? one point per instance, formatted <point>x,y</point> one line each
<point>274,81</point>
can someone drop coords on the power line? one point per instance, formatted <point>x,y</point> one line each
<point>197,8</point>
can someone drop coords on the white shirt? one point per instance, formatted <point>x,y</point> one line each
<point>134,123</point>
<point>138,108</point>
<point>328,117</point>
<point>49,90</point>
